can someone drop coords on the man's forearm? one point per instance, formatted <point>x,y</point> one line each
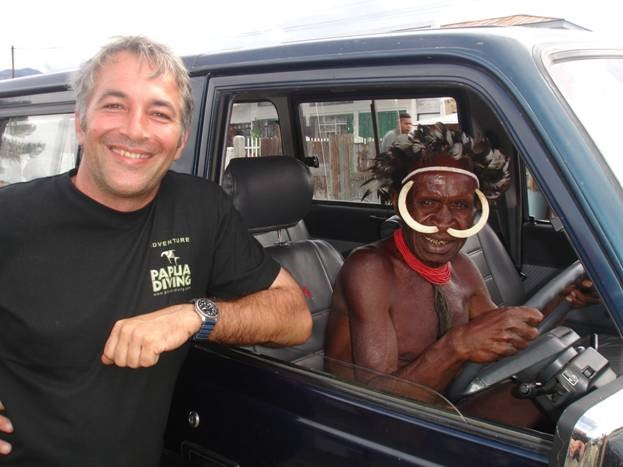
<point>427,375</point>
<point>436,366</point>
<point>275,316</point>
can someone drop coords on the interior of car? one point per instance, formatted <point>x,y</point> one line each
<point>295,167</point>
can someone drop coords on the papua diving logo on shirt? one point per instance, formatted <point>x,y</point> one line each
<point>174,275</point>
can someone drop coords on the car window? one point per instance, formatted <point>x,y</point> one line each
<point>253,130</point>
<point>538,208</point>
<point>593,87</point>
<point>344,138</point>
<point>388,384</point>
<point>36,146</point>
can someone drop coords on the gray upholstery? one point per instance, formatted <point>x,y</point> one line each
<point>314,264</point>
<point>297,232</point>
<point>497,269</point>
<point>273,194</point>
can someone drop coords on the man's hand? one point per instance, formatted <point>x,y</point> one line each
<point>139,341</point>
<point>5,427</point>
<point>581,294</point>
<point>496,333</point>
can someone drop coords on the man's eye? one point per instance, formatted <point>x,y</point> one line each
<point>113,106</point>
<point>426,203</point>
<point>460,205</point>
<point>162,115</point>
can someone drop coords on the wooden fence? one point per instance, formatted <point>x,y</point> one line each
<point>255,147</point>
<point>343,166</point>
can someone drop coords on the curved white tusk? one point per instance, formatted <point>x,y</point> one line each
<point>477,227</point>
<point>404,212</point>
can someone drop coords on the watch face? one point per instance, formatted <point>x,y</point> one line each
<point>208,307</point>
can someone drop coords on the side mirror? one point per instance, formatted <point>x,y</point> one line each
<point>590,431</point>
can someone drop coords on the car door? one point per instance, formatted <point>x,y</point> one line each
<point>233,407</point>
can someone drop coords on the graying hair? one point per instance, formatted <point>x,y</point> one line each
<point>158,56</point>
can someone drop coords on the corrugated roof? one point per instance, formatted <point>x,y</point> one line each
<point>516,20</point>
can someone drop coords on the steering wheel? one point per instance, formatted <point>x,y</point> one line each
<point>476,377</point>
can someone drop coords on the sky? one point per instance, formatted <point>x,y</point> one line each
<point>54,35</point>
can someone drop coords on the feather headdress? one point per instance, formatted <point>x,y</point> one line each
<point>420,149</point>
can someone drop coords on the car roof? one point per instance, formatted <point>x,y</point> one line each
<point>449,42</point>
<point>501,46</point>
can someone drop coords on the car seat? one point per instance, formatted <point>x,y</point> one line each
<point>273,194</point>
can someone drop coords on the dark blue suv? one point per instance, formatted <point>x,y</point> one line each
<point>290,132</point>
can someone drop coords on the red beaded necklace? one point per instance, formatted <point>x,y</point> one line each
<point>437,276</point>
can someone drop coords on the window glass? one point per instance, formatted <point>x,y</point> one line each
<point>36,146</point>
<point>537,205</point>
<point>343,136</point>
<point>593,87</point>
<point>253,130</point>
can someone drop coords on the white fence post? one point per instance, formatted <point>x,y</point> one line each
<point>253,147</point>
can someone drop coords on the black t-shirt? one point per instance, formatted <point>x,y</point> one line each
<point>69,269</point>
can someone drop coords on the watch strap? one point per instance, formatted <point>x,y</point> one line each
<point>205,330</point>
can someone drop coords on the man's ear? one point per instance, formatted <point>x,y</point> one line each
<point>180,147</point>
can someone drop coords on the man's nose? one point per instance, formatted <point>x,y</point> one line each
<point>444,219</point>
<point>135,126</point>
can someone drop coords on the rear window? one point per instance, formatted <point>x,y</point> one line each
<point>36,146</point>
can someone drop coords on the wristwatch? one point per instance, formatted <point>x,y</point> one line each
<point>208,312</point>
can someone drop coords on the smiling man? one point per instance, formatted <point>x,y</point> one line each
<point>413,306</point>
<point>110,270</point>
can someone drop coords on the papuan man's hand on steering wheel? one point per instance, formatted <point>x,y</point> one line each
<point>496,333</point>
<point>581,293</point>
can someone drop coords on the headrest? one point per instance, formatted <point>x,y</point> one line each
<point>271,192</point>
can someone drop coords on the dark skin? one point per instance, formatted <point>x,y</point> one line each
<point>383,316</point>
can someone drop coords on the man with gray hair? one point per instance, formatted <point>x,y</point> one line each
<point>105,286</point>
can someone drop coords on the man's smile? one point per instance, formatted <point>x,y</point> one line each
<point>436,242</point>
<point>131,155</point>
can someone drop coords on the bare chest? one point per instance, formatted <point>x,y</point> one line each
<point>415,318</point>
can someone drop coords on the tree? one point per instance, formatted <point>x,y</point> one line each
<point>14,143</point>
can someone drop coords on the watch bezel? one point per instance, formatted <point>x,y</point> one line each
<point>206,308</point>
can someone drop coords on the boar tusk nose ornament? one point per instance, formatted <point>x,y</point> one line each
<point>477,227</point>
<point>430,229</point>
<point>404,212</point>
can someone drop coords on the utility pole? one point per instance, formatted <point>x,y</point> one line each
<point>12,62</point>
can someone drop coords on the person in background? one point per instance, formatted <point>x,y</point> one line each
<point>398,134</point>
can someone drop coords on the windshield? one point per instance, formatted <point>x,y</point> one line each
<point>593,87</point>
